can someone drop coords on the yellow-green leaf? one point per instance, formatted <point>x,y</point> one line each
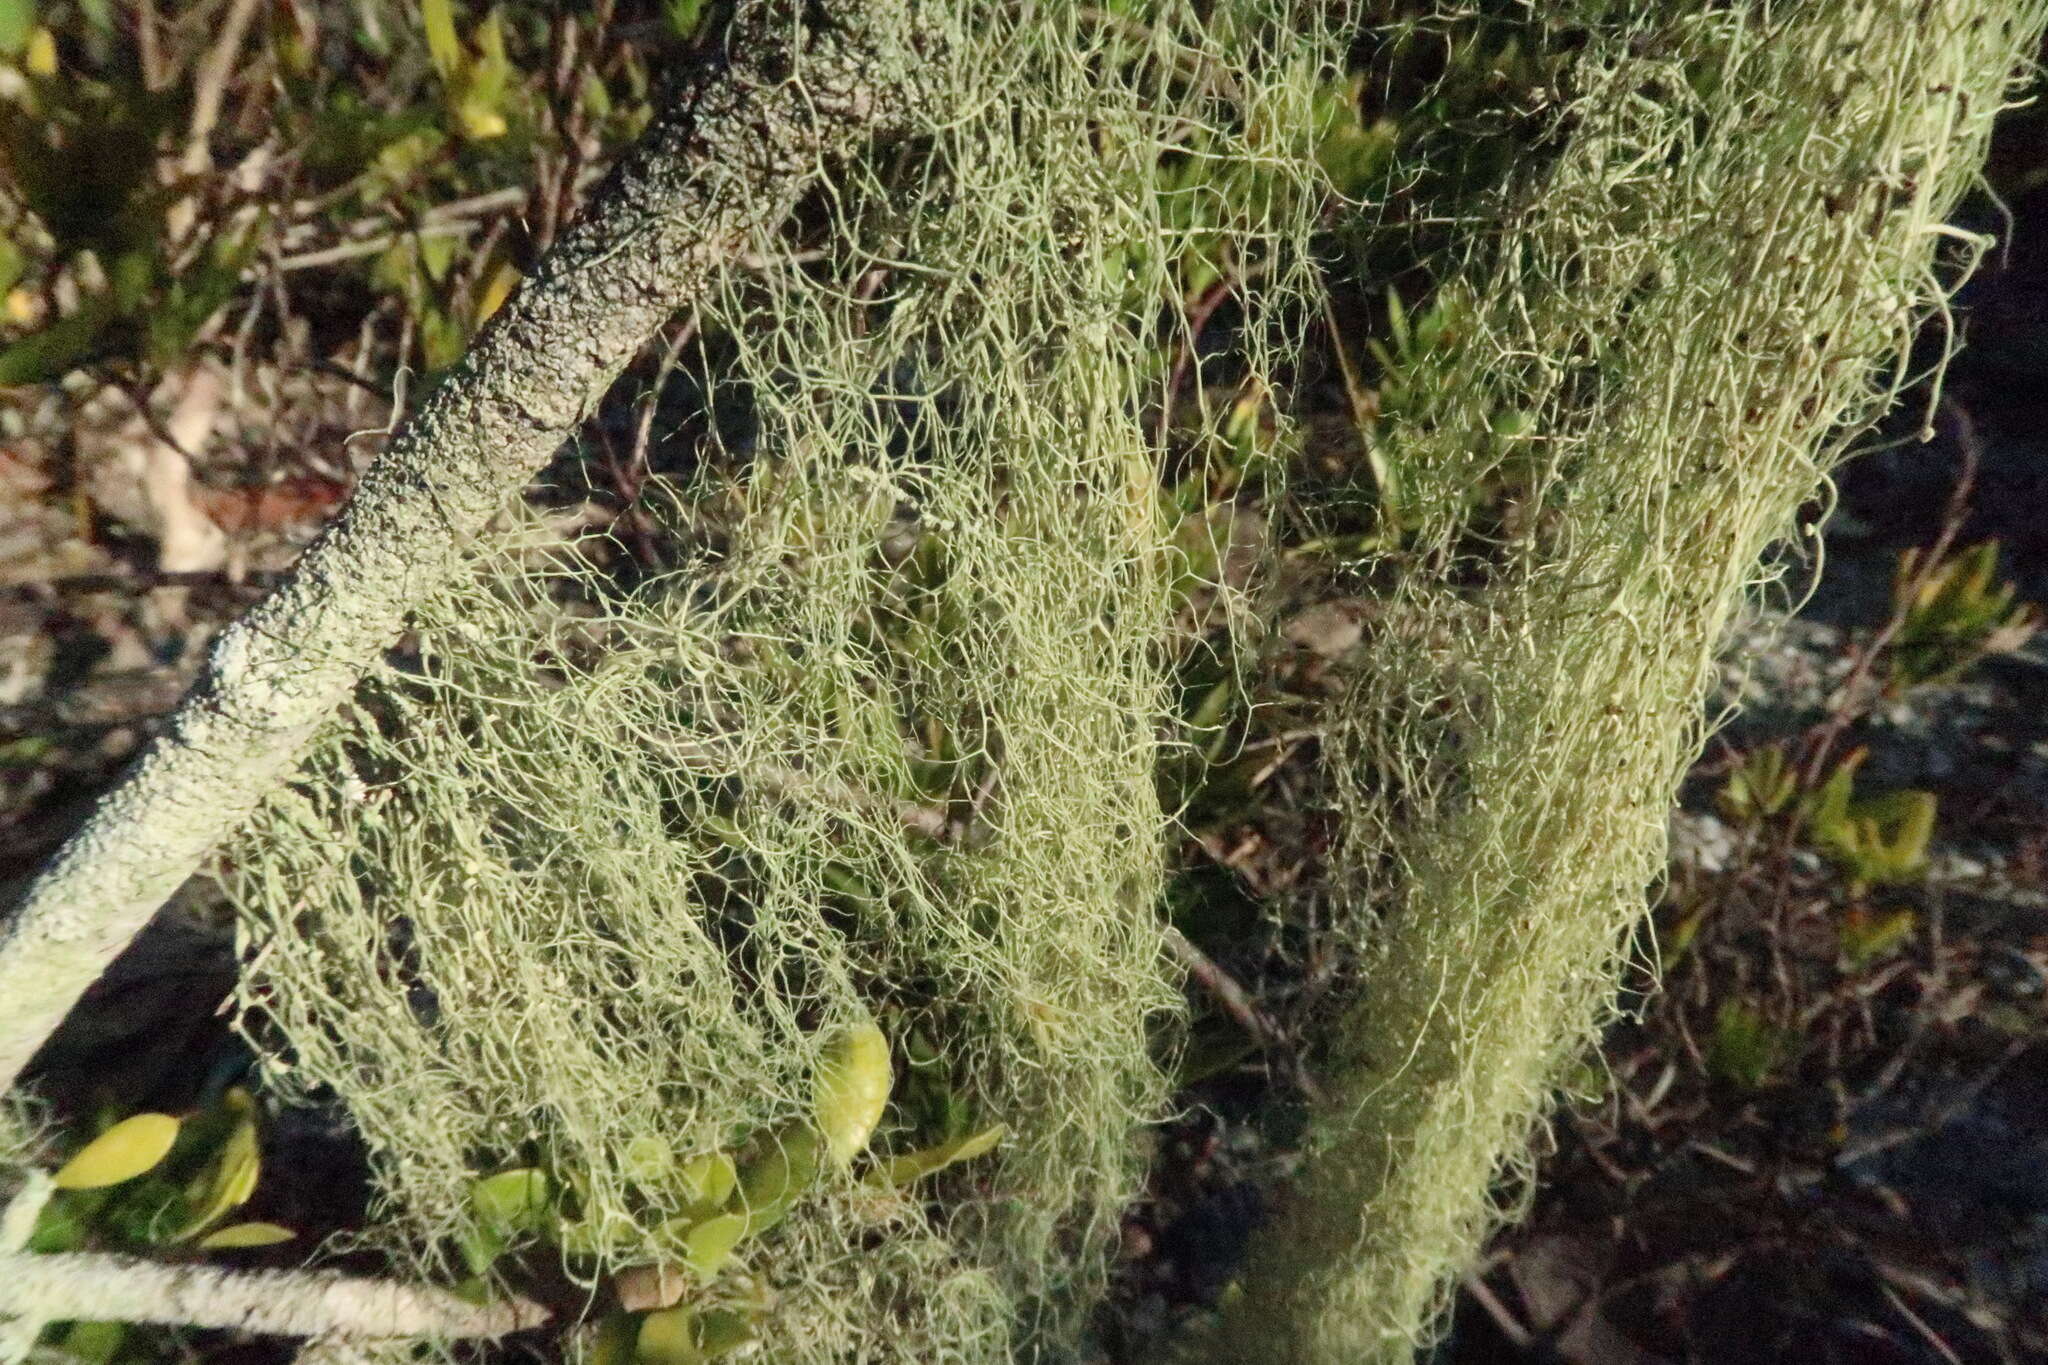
<point>92,1343</point>
<point>442,45</point>
<point>773,1180</point>
<point>236,1235</point>
<point>39,58</point>
<point>668,1337</point>
<point>614,1341</point>
<point>916,1165</point>
<point>232,1178</point>
<point>520,1200</point>
<point>852,1088</point>
<point>710,1178</point>
<point>130,1148</point>
<point>723,1331</point>
<point>496,290</point>
<point>17,22</point>
<point>480,120</point>
<point>647,1159</point>
<point>708,1246</point>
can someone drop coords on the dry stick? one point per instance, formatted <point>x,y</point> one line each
<point>729,161</point>
<point>209,86</point>
<point>17,1224</point>
<point>102,1288</point>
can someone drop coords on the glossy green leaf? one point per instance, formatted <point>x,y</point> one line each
<point>130,1148</point>
<point>238,1235</point>
<point>852,1088</point>
<point>916,1165</point>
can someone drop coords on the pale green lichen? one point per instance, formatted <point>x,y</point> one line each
<point>603,861</point>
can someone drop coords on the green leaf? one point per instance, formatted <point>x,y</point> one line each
<point>668,1337</point>
<point>708,1245</point>
<point>130,1148</point>
<point>722,1331</point>
<point>1763,785</point>
<point>66,1222</point>
<point>1866,938</point>
<point>17,21</point>
<point>92,1343</point>
<point>1746,1047</point>
<point>902,1170</point>
<point>852,1088</point>
<point>443,47</point>
<point>480,1247</point>
<point>57,349</point>
<point>710,1178</point>
<point>232,1178</point>
<point>686,17</point>
<point>773,1180</point>
<point>595,98</point>
<point>515,1201</point>
<point>1951,616</point>
<point>647,1160</point>
<point>237,1235</point>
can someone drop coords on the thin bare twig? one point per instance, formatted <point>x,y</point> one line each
<point>1954,515</point>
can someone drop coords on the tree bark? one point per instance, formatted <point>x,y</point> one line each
<point>308,1303</point>
<point>731,158</point>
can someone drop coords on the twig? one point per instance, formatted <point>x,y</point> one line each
<point>728,161</point>
<point>350,251</point>
<point>1510,1327</point>
<point>140,580</point>
<point>1919,1325</point>
<point>1197,322</point>
<point>1954,515</point>
<point>209,86</point>
<point>17,1224</point>
<point>103,1288</point>
<point>1237,1003</point>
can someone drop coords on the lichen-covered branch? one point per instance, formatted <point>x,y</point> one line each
<point>729,160</point>
<point>1691,307</point>
<point>84,1285</point>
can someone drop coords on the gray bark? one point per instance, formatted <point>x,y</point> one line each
<point>84,1285</point>
<point>730,159</point>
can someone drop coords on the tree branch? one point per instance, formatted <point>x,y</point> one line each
<point>309,1303</point>
<point>730,160</point>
